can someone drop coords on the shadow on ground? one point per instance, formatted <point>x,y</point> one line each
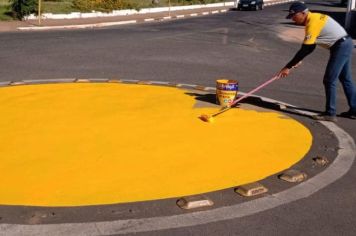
<point>255,101</point>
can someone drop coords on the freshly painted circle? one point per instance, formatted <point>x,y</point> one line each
<point>102,143</point>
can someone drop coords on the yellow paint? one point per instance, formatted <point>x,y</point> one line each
<point>89,144</point>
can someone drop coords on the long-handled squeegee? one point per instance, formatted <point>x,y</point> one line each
<point>210,118</point>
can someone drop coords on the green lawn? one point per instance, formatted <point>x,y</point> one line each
<point>4,8</point>
<point>4,2</point>
<point>63,6</point>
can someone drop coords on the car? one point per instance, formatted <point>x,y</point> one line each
<point>250,5</point>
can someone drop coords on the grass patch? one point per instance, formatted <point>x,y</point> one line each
<point>5,13</point>
<point>4,2</point>
<point>58,7</point>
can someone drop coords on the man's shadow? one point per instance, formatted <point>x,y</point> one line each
<point>258,102</point>
<point>208,98</point>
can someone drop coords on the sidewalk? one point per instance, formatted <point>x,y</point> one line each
<point>95,22</point>
<point>118,20</point>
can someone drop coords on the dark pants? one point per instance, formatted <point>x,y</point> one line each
<point>339,67</point>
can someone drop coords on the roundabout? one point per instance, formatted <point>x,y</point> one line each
<point>55,214</point>
<point>82,144</point>
<point>190,51</point>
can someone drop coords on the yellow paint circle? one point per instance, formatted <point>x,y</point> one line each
<point>91,144</point>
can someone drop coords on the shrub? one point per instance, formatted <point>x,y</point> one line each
<point>191,2</point>
<point>21,8</point>
<point>103,5</point>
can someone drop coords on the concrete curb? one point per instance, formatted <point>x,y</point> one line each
<point>81,26</point>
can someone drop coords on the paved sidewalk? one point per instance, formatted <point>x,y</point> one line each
<point>119,20</point>
<point>6,26</point>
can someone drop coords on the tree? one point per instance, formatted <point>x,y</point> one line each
<point>22,8</point>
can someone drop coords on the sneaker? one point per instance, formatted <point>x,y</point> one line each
<point>348,114</point>
<point>323,117</point>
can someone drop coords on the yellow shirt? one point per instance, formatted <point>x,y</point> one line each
<point>322,30</point>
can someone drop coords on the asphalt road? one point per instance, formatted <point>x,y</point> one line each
<point>237,45</point>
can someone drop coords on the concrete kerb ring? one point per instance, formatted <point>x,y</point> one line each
<point>341,165</point>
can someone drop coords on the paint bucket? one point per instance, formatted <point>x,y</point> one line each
<point>226,91</point>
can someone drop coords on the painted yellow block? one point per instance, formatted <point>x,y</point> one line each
<point>88,144</point>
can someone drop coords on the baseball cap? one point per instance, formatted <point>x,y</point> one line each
<point>295,8</point>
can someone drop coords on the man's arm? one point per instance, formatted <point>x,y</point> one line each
<point>304,51</point>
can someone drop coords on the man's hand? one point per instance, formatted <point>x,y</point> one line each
<point>283,73</point>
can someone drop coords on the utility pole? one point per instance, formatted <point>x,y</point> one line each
<point>351,5</point>
<point>169,7</point>
<point>39,12</point>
